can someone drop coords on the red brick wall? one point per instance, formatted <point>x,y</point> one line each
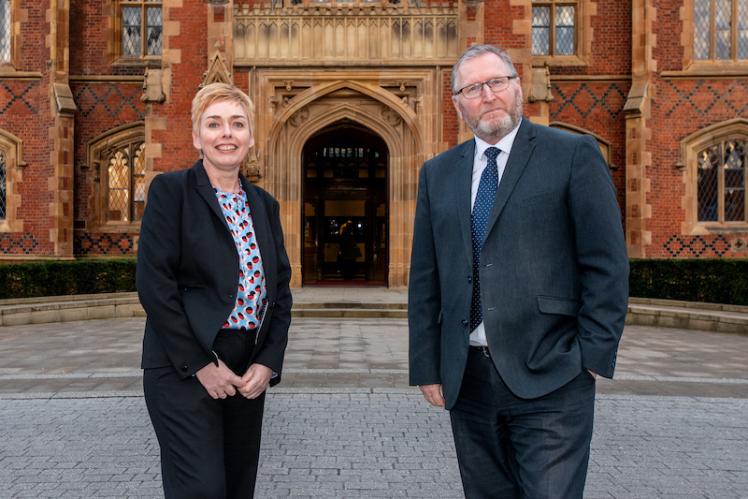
<point>498,21</point>
<point>681,107</point>
<point>177,150</point>
<point>25,113</point>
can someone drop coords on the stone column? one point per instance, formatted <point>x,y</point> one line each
<point>638,130</point>
<point>61,130</point>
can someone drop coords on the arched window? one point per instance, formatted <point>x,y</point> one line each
<point>118,159</point>
<point>11,163</point>
<point>721,181</point>
<point>716,159</point>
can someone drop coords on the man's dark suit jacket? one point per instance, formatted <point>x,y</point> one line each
<point>553,269</point>
<point>188,273</point>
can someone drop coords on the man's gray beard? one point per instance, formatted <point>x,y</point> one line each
<point>503,127</point>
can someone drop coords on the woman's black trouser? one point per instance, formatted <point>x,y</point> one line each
<point>209,447</point>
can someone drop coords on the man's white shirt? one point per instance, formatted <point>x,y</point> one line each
<point>478,336</point>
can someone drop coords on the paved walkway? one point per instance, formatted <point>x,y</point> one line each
<point>344,424</point>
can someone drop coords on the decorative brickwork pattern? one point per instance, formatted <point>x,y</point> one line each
<point>12,92</point>
<point>697,246</point>
<point>104,244</point>
<point>112,99</point>
<point>17,244</point>
<point>704,97</point>
<point>586,98</point>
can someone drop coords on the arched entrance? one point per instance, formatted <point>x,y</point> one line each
<point>345,212</point>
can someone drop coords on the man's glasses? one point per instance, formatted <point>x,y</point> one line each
<point>495,85</point>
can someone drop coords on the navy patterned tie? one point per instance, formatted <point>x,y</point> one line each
<point>489,184</point>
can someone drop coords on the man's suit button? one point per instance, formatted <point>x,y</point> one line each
<point>465,322</point>
<point>185,368</point>
<point>470,279</point>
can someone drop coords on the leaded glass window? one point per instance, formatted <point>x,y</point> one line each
<point>3,186</point>
<point>4,31</point>
<point>554,25</point>
<point>721,182</point>
<point>141,24</point>
<point>720,29</point>
<point>126,183</point>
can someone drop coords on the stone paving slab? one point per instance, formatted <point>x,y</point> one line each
<point>344,425</point>
<point>368,445</point>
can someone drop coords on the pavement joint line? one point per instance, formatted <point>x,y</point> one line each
<point>137,373</point>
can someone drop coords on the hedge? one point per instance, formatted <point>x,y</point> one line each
<point>52,278</point>
<point>707,280</point>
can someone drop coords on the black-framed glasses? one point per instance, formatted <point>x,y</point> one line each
<point>495,85</point>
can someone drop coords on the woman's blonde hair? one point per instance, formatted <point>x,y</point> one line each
<point>220,92</point>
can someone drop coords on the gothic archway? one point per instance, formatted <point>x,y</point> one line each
<point>374,110</point>
<point>344,214</point>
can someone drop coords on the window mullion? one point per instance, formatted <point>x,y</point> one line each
<point>734,31</point>
<point>552,32</point>
<point>713,29</point>
<point>143,31</point>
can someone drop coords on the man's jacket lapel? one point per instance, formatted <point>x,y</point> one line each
<point>464,178</point>
<point>522,148</point>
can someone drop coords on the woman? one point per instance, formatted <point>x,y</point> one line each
<point>213,277</point>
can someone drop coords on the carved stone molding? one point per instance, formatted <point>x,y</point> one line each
<point>217,71</point>
<point>303,102</point>
<point>153,90</point>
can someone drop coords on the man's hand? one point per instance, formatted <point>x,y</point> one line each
<point>219,381</point>
<point>433,394</point>
<point>255,381</point>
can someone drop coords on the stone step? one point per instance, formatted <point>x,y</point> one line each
<point>642,311</point>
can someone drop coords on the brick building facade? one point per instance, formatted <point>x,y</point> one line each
<point>352,96</point>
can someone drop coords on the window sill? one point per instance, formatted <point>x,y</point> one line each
<point>712,69</point>
<point>559,60</point>
<point>142,63</point>
<point>115,228</point>
<point>701,228</point>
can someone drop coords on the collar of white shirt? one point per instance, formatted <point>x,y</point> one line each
<point>505,144</point>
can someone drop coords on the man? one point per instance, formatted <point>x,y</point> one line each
<point>518,289</point>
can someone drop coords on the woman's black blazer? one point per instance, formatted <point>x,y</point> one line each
<point>188,273</point>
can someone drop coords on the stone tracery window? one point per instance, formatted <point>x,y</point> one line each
<point>715,160</point>
<point>11,163</point>
<point>554,26</point>
<point>140,29</point>
<point>5,28</point>
<point>125,175</point>
<point>720,29</point>
<point>721,181</point>
<point>118,179</point>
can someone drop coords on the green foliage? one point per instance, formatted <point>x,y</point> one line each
<point>703,280</point>
<point>53,278</point>
<point>707,280</point>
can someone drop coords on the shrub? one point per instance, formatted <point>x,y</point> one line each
<point>51,278</point>
<point>704,280</point>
